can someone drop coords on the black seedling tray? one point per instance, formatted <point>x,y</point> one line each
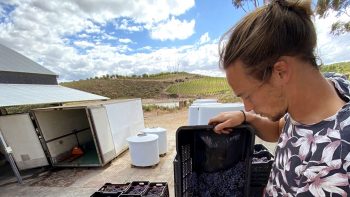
<point>204,156</point>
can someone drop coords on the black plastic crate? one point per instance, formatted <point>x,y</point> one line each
<point>261,166</point>
<point>204,156</point>
<point>157,189</point>
<point>160,189</point>
<point>136,189</point>
<point>110,188</point>
<point>101,194</point>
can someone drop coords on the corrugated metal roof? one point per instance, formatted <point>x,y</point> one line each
<point>27,94</point>
<point>11,61</point>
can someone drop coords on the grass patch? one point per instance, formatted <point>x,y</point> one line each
<point>121,88</point>
<point>206,86</point>
<point>153,107</point>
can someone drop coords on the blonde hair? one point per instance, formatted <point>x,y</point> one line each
<point>274,30</point>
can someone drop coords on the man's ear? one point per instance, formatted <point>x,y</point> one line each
<point>282,71</point>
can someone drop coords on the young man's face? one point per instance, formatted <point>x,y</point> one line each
<point>265,98</point>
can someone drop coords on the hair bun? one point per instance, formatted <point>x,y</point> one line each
<point>282,3</point>
<point>301,6</point>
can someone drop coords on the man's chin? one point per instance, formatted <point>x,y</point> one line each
<point>272,118</point>
<point>275,118</point>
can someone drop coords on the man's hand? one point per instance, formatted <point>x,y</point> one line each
<point>226,120</point>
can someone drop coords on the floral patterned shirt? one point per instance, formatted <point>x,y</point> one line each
<point>314,160</point>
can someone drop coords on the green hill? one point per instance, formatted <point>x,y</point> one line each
<point>203,87</point>
<point>150,86</point>
<point>170,85</point>
<point>341,67</point>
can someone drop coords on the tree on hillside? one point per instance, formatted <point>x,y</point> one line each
<point>341,7</point>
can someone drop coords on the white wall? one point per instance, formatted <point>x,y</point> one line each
<point>103,132</point>
<point>20,135</point>
<point>125,119</point>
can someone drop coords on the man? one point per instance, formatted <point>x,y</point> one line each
<point>270,65</point>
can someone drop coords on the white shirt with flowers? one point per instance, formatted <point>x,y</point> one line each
<point>314,160</point>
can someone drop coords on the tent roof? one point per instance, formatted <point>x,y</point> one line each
<point>30,94</point>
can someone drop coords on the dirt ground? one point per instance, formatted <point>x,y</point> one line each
<point>85,181</point>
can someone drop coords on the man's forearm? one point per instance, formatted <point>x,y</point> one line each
<point>266,129</point>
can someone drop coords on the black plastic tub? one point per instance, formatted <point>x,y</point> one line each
<point>210,164</point>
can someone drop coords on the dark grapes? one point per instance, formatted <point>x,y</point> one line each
<point>155,191</point>
<point>137,189</point>
<point>226,183</point>
<point>115,188</point>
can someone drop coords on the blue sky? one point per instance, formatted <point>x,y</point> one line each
<point>81,39</point>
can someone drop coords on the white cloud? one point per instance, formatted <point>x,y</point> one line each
<point>83,44</point>
<point>125,40</point>
<point>213,73</point>
<point>106,36</point>
<point>124,25</point>
<point>2,11</point>
<point>83,36</point>
<point>91,29</point>
<point>146,11</point>
<point>331,48</point>
<point>146,48</point>
<point>204,38</point>
<point>42,31</point>
<point>173,29</point>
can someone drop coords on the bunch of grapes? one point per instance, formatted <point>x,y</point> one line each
<point>137,189</point>
<point>228,182</point>
<point>116,188</point>
<point>155,191</point>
